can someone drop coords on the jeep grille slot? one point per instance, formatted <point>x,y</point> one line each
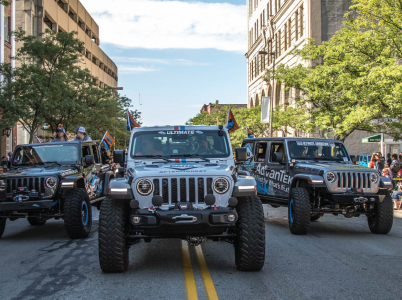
<point>209,186</point>
<point>156,187</point>
<point>174,190</point>
<point>355,180</point>
<point>32,183</point>
<point>165,190</point>
<point>201,189</point>
<point>191,184</point>
<point>183,195</point>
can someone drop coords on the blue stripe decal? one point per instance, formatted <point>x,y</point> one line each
<point>182,128</point>
<point>53,204</point>
<point>183,160</point>
<point>290,211</point>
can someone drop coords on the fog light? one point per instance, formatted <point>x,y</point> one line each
<point>136,220</point>
<point>231,217</point>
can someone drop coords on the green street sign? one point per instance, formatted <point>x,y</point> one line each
<point>372,139</point>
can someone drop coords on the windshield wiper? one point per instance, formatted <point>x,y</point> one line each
<point>192,156</point>
<point>50,162</point>
<point>154,156</point>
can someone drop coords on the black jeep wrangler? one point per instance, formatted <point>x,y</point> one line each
<point>316,176</point>
<point>54,180</point>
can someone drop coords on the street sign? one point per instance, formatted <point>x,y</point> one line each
<point>265,109</point>
<point>372,139</point>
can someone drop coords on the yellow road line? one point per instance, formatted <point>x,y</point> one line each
<point>188,272</point>
<point>206,276</point>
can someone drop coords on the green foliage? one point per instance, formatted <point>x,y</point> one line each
<point>48,86</point>
<point>245,117</point>
<point>359,79</point>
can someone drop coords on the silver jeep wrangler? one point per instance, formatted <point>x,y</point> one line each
<point>181,182</point>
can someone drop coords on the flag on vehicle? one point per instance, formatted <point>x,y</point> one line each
<point>131,123</point>
<point>248,133</point>
<point>283,133</point>
<point>231,123</point>
<point>40,140</point>
<point>108,141</point>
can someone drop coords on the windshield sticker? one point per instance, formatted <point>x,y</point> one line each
<point>50,146</point>
<point>199,132</point>
<point>181,132</point>
<point>162,132</point>
<point>324,144</point>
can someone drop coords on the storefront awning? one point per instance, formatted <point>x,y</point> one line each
<point>372,139</point>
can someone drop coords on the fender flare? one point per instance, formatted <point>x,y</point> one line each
<point>245,186</point>
<point>71,182</point>
<point>314,181</point>
<point>108,176</point>
<point>119,188</point>
<point>385,183</point>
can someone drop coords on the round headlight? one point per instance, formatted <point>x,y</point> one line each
<point>331,177</point>
<point>221,185</point>
<point>374,177</point>
<point>51,182</point>
<point>144,187</point>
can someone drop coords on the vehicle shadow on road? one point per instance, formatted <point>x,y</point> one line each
<point>47,231</point>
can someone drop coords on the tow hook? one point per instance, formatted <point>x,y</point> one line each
<point>360,199</point>
<point>195,241</point>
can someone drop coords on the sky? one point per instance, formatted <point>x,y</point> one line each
<point>175,56</point>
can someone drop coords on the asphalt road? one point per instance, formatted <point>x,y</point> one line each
<point>338,259</point>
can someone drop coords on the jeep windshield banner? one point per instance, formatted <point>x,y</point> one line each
<point>180,144</point>
<point>33,155</point>
<point>318,150</point>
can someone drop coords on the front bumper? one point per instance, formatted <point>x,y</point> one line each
<point>182,223</point>
<point>357,198</point>
<point>27,205</point>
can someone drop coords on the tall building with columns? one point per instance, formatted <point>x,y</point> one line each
<point>280,26</point>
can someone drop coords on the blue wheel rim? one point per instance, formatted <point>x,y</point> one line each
<point>84,213</point>
<point>290,211</point>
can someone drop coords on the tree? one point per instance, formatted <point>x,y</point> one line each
<point>245,117</point>
<point>358,82</point>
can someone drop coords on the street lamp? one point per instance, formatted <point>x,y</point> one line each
<point>7,131</point>
<point>271,103</point>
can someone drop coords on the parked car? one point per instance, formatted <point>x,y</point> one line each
<point>313,177</point>
<point>364,160</point>
<point>54,180</point>
<point>181,182</point>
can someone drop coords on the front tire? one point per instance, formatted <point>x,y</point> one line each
<point>113,249</point>
<point>77,214</point>
<point>299,211</point>
<point>2,226</point>
<point>36,221</point>
<point>250,237</point>
<point>380,222</point>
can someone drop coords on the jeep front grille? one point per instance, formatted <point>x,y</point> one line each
<point>34,183</point>
<point>191,189</point>
<point>353,180</point>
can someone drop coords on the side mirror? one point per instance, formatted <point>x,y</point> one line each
<point>241,154</point>
<point>119,157</point>
<point>278,157</point>
<point>89,160</point>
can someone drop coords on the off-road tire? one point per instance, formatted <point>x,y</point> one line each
<point>381,221</point>
<point>77,214</point>
<point>314,218</point>
<point>36,221</point>
<point>2,226</point>
<point>113,226</point>
<point>299,211</point>
<point>250,235</point>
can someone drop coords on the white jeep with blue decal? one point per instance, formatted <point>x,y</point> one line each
<point>313,177</point>
<point>181,182</point>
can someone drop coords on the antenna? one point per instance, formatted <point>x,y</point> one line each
<point>139,99</point>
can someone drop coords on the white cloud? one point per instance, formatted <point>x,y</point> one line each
<point>131,70</point>
<point>162,61</point>
<point>170,24</point>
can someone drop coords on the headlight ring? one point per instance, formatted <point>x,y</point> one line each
<point>144,187</point>
<point>374,177</point>
<point>331,177</point>
<point>221,185</point>
<point>51,182</point>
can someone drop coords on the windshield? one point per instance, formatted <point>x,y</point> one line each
<point>169,143</point>
<point>318,150</point>
<point>33,155</point>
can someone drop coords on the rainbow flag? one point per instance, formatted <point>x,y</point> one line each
<point>131,123</point>
<point>231,123</point>
<point>108,141</point>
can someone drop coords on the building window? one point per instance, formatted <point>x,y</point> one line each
<point>63,5</point>
<point>256,29</point>
<point>286,36</point>
<point>276,45</point>
<point>7,29</point>
<point>296,25</point>
<point>88,32</point>
<point>301,20</point>
<point>279,43</point>
<point>262,63</point>
<point>88,54</point>
<point>278,93</point>
<point>263,17</point>
<point>276,6</point>
<point>290,33</point>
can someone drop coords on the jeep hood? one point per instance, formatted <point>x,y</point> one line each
<point>183,169</point>
<point>326,166</point>
<point>34,171</point>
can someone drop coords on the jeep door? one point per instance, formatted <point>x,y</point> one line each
<point>278,178</point>
<point>260,168</point>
